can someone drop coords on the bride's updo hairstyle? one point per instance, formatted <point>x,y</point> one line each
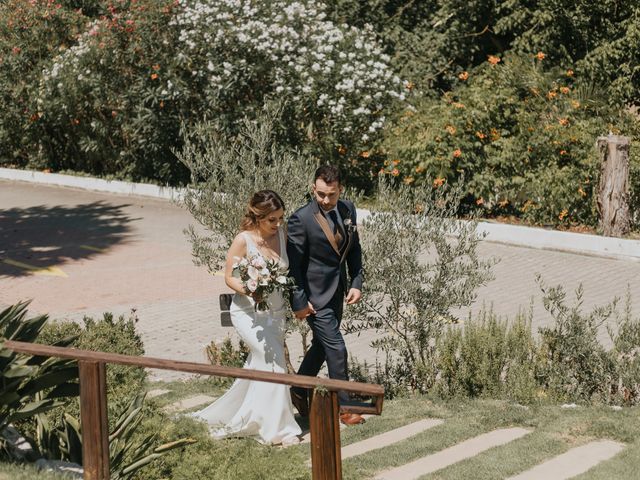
<point>261,204</point>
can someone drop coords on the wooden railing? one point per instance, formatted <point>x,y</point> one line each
<point>324,427</point>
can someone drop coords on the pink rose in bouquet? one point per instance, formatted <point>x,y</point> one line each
<point>260,277</point>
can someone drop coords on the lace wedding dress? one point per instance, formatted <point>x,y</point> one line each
<point>249,408</point>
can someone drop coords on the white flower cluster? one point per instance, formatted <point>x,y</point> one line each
<point>337,71</point>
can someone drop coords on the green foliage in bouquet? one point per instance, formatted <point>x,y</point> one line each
<point>522,135</point>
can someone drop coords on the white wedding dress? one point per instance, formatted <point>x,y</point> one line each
<point>257,409</point>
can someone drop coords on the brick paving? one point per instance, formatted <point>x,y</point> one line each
<point>140,259</point>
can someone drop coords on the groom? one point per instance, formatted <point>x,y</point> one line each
<point>322,245</point>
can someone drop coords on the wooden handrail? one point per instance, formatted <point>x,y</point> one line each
<point>326,462</point>
<point>191,367</point>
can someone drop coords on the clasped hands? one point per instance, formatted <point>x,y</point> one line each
<point>353,296</point>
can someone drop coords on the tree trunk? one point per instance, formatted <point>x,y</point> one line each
<point>613,191</point>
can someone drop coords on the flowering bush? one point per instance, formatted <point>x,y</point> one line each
<point>336,80</point>
<point>106,104</point>
<point>31,32</point>
<point>113,102</point>
<point>522,136</point>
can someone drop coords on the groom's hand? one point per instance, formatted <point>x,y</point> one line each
<point>353,296</point>
<point>304,313</point>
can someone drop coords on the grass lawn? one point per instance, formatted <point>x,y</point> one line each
<point>554,430</point>
<point>25,472</point>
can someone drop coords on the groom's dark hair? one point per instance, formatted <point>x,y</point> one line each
<point>328,173</point>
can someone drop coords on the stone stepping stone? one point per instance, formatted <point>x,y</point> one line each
<point>449,456</point>
<point>157,392</point>
<point>392,436</point>
<point>574,462</point>
<point>190,402</point>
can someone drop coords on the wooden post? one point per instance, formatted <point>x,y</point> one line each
<point>613,191</point>
<point>93,418</point>
<point>326,459</point>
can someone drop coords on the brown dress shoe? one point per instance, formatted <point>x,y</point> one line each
<point>351,418</point>
<point>301,403</point>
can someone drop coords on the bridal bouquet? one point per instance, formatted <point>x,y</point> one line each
<point>260,277</point>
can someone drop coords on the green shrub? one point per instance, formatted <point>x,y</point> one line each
<point>31,34</point>
<point>626,355</point>
<point>413,235</point>
<point>111,335</point>
<point>486,357</point>
<point>106,104</point>
<point>575,365</point>
<point>522,135</point>
<point>227,355</point>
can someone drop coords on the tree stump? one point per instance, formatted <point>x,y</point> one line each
<point>613,191</point>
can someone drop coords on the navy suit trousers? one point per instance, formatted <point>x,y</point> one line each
<point>327,343</point>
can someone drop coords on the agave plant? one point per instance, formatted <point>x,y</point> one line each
<point>30,385</point>
<point>127,454</point>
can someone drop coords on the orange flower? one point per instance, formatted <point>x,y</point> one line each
<point>410,86</point>
<point>457,153</point>
<point>563,214</point>
<point>438,182</point>
<point>564,122</point>
<point>451,129</point>
<point>569,73</point>
<point>563,152</point>
<point>551,95</point>
<point>342,150</point>
<point>458,105</point>
<point>408,180</point>
<point>395,162</point>
<point>582,192</point>
<point>161,103</point>
<point>419,169</point>
<point>365,154</point>
<point>503,203</point>
<point>463,76</point>
<point>480,201</point>
<point>395,172</point>
<point>540,55</point>
<point>493,60</point>
<point>75,121</point>
<point>495,135</point>
<point>575,103</point>
<point>564,90</point>
<point>156,67</point>
<point>154,76</point>
<point>480,135</point>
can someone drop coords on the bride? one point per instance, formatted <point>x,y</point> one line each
<point>257,409</point>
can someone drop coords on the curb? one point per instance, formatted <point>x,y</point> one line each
<point>531,237</point>
<point>90,183</point>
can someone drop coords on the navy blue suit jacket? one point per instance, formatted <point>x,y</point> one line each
<point>316,261</point>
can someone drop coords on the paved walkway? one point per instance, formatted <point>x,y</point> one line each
<point>79,253</point>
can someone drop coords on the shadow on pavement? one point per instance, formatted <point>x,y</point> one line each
<point>43,236</point>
